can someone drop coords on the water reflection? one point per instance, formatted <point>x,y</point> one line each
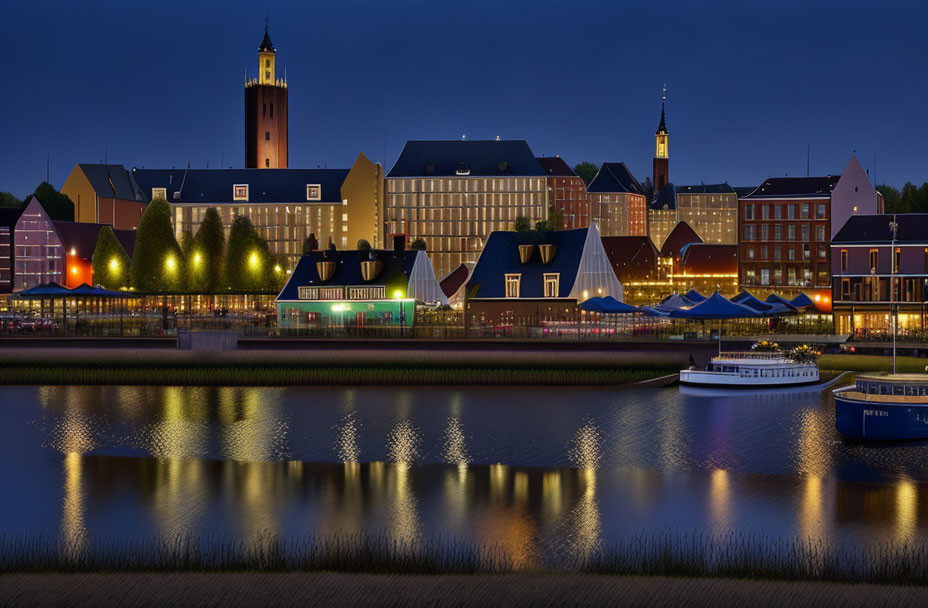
<point>73,537</point>
<point>347,444</point>
<point>720,502</point>
<point>455,449</point>
<point>585,519</point>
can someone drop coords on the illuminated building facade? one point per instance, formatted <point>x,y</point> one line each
<point>639,267</point>
<point>786,226</point>
<point>453,193</point>
<point>617,202</point>
<point>9,216</point>
<point>870,275</point>
<point>266,112</point>
<point>530,278</point>
<point>711,210</point>
<point>331,289</point>
<point>566,192</point>
<point>47,251</point>
<point>105,194</point>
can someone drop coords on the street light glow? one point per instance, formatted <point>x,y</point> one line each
<point>397,294</point>
<point>114,265</point>
<point>277,269</point>
<point>197,258</point>
<point>170,263</point>
<point>253,259</point>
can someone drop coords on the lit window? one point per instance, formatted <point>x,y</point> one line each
<point>513,282</point>
<point>313,192</point>
<point>240,192</point>
<point>552,283</point>
<point>161,193</point>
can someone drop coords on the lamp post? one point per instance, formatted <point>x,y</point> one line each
<point>893,310</point>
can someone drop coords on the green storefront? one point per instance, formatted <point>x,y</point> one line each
<point>337,314</point>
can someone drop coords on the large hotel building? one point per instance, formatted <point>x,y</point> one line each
<point>453,193</point>
<point>709,209</point>
<point>786,227</point>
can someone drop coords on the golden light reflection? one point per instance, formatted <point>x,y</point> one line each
<point>906,510</point>
<point>586,526</point>
<point>403,443</point>
<point>499,475</point>
<point>552,496</point>
<point>811,513</point>
<point>454,450</point>
<point>253,429</point>
<point>720,501</point>
<point>584,449</point>
<point>182,431</point>
<point>73,537</point>
<point>813,454</point>
<point>347,446</point>
<point>404,525</point>
<point>520,488</point>
<point>179,496</point>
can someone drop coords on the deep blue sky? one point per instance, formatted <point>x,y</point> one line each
<point>750,87</point>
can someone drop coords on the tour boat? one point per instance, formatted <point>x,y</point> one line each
<point>751,370</point>
<point>894,406</point>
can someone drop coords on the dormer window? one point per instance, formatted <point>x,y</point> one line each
<point>552,284</point>
<point>313,192</point>
<point>240,192</point>
<point>157,193</point>
<point>462,169</point>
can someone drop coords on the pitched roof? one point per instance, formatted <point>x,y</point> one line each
<point>615,177</point>
<point>450,157</point>
<point>266,45</point>
<point>709,258</point>
<point>454,279</point>
<point>555,166</point>
<point>912,228</point>
<point>397,266</point>
<point>806,187</point>
<point>632,257</point>
<point>500,256</point>
<point>10,215</point>
<point>662,128</point>
<point>112,181</point>
<point>681,236</point>
<point>264,185</point>
<point>743,191</point>
<point>82,237</point>
<point>723,188</point>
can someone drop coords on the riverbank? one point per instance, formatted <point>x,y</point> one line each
<point>497,366</point>
<point>335,589</point>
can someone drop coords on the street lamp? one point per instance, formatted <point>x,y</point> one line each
<point>893,310</point>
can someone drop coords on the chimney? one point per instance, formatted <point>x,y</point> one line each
<point>399,243</point>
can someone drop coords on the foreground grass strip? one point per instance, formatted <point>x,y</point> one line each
<point>871,363</point>
<point>746,556</point>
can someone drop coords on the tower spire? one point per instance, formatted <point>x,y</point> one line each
<point>662,128</point>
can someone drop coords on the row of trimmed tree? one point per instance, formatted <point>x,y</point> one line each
<point>201,263</point>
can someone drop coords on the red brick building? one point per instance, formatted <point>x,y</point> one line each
<point>266,113</point>
<point>566,192</point>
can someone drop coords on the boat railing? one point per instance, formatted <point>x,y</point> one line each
<point>755,355</point>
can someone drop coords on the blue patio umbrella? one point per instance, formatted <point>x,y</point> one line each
<point>715,307</point>
<point>671,303</point>
<point>45,290</point>
<point>613,306</point>
<point>650,311</point>
<point>694,296</point>
<point>802,301</point>
<point>781,305</point>
<point>747,299</point>
<point>97,292</point>
<point>594,304</point>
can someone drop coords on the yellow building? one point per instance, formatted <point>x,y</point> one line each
<point>105,194</point>
<point>711,210</point>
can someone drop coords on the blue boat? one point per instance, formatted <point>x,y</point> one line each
<point>888,407</point>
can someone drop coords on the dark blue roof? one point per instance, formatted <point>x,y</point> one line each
<point>615,177</point>
<point>397,266</point>
<point>82,237</point>
<point>555,166</point>
<point>113,181</point>
<point>500,256</point>
<point>706,189</point>
<point>477,158</point>
<point>796,187</point>
<point>874,229</point>
<point>264,185</point>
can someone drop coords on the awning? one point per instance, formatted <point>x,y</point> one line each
<point>671,303</point>
<point>85,290</point>
<point>715,307</point>
<point>802,301</point>
<point>608,305</point>
<point>694,296</point>
<point>781,305</point>
<point>650,311</point>
<point>45,290</point>
<point>747,299</point>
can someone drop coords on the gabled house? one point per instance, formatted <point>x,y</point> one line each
<point>617,202</point>
<point>530,278</point>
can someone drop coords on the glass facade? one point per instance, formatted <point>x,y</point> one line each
<point>619,213</point>
<point>714,217</point>
<point>455,215</point>
<point>285,227</point>
<point>38,254</point>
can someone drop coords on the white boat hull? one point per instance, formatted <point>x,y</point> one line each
<point>692,377</point>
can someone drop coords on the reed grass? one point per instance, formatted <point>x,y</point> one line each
<point>736,555</point>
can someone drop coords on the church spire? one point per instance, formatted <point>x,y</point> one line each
<point>662,128</point>
<point>661,166</point>
<point>266,45</point>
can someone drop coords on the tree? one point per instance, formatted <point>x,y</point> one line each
<point>418,244</point>
<point>555,218</point>
<point>157,262</point>
<point>110,261</point>
<point>278,276</point>
<point>8,200</point>
<point>248,259</point>
<point>363,245</point>
<point>907,198</point>
<point>186,243</point>
<point>541,226</point>
<point>57,205</point>
<point>205,264</point>
<point>586,171</point>
<point>523,224</point>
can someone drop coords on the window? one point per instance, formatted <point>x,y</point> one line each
<point>778,212</point>
<point>765,210</point>
<point>765,232</point>
<point>819,233</point>
<point>822,253</point>
<point>267,162</point>
<point>805,211</point>
<point>765,276</point>
<point>750,254</point>
<point>820,211</point>
<point>240,192</point>
<point>791,212</point>
<point>897,258</point>
<point>844,260</point>
<point>512,285</point>
<point>792,255</point>
<point>313,192</point>
<point>159,193</point>
<point>749,212</point>
<point>749,234</point>
<point>791,232</point>
<point>778,232</point>
<point>267,63</point>
<point>267,136</point>
<point>874,260</point>
<point>552,282</point>
<point>267,78</point>
<point>805,233</point>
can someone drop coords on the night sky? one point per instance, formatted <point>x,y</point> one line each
<point>158,84</point>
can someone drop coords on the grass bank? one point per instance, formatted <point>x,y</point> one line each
<point>736,556</point>
<point>363,367</point>
<point>870,363</point>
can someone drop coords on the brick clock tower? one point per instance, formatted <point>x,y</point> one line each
<point>266,112</point>
<point>661,174</point>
